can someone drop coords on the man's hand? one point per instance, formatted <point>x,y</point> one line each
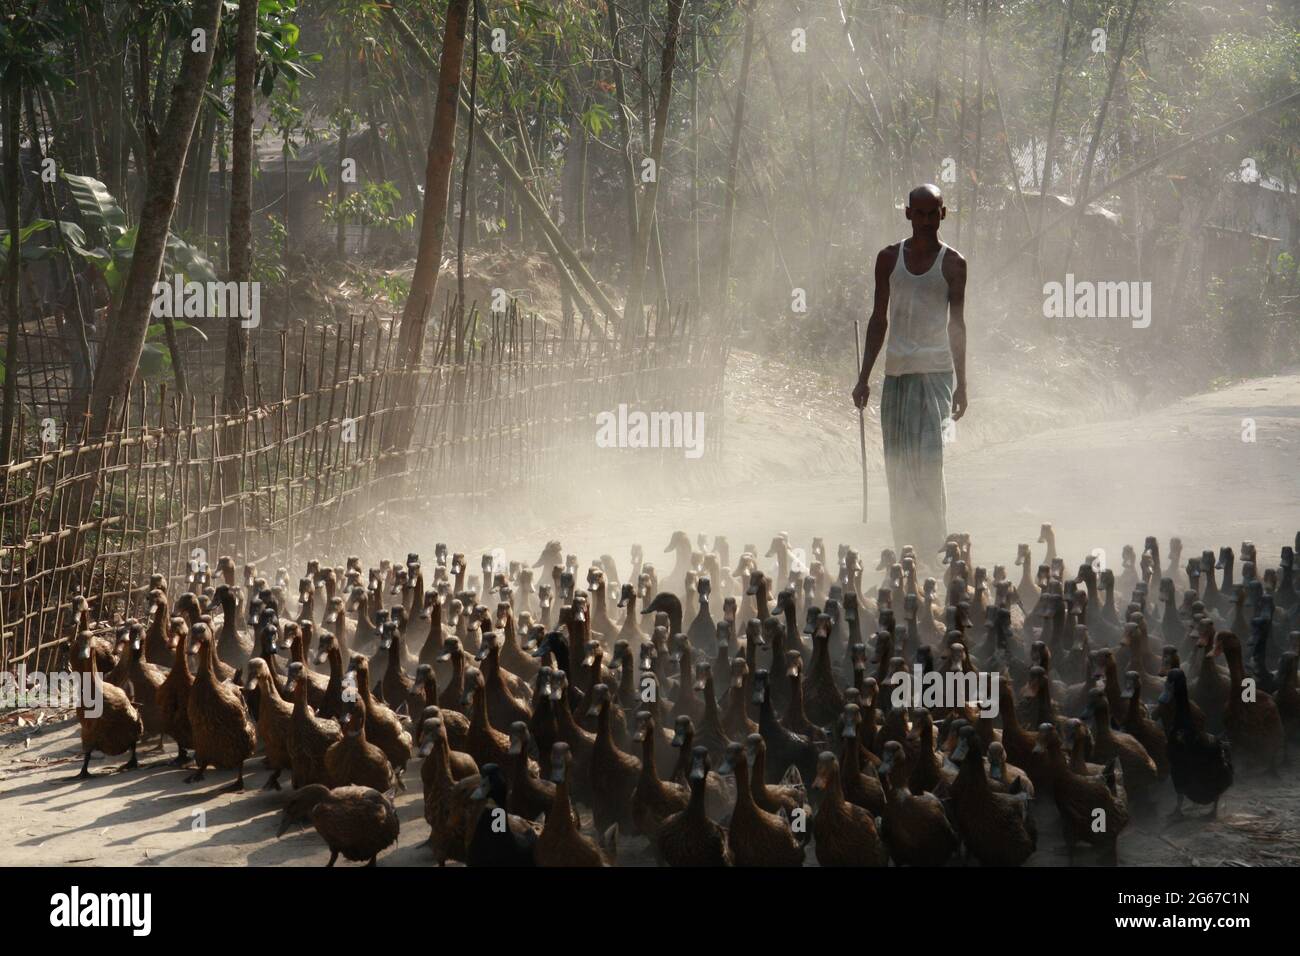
<point>861,392</point>
<point>959,402</point>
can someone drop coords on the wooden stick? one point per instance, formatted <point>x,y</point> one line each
<point>862,418</point>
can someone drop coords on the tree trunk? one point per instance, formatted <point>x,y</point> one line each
<point>467,173</point>
<point>529,205</point>
<point>1049,148</point>
<point>632,311</point>
<point>437,185</point>
<point>121,355</point>
<point>234,399</point>
<point>624,130</point>
<point>1085,180</point>
<point>12,94</point>
<point>345,123</point>
<point>733,160</point>
<point>696,272</point>
<point>979,125</point>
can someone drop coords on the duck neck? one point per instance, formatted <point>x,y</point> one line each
<point>695,809</point>
<point>744,794</point>
<point>710,718</point>
<point>795,715</point>
<point>561,815</point>
<point>649,768</point>
<point>478,709</point>
<point>1228,562</point>
<point>821,659</point>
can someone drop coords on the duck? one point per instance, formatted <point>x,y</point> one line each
<point>719,791</point>
<point>710,733</point>
<point>234,647</point>
<point>274,720</point>
<point>174,694</point>
<point>484,742</point>
<point>504,705</point>
<point>1200,764</point>
<point>310,736</point>
<point>784,747</point>
<point>796,718</point>
<point>530,795</point>
<point>462,764</point>
<point>1021,745</point>
<point>1003,775</point>
<point>863,789</point>
<point>614,774</point>
<point>395,686</point>
<point>353,760</point>
<point>1138,723</point>
<point>328,652</point>
<point>146,680</point>
<point>157,645</point>
<point>653,800</point>
<point>756,837</point>
<point>689,837</point>
<point>449,805</point>
<point>561,843</point>
<point>118,726</point>
<point>1079,798</point>
<point>844,833</point>
<point>1254,727</point>
<point>582,743</point>
<point>1140,773</point>
<point>702,629</point>
<point>736,722</point>
<point>382,725</point>
<point>224,736</point>
<point>357,822</point>
<point>822,698</point>
<point>511,655</point>
<point>499,838</point>
<point>788,796</point>
<point>668,603</point>
<point>998,829</point>
<point>916,829</point>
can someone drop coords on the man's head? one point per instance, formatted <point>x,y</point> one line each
<point>925,209</point>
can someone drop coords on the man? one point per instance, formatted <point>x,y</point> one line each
<point>920,301</point>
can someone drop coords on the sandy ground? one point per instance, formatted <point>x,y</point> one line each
<point>792,467</point>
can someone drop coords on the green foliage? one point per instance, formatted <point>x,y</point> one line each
<point>372,204</point>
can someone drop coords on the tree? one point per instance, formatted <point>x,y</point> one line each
<point>632,314</point>
<point>437,187</point>
<point>241,201</point>
<point>121,354</point>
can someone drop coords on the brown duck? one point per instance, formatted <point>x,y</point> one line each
<point>357,822</point>
<point>224,736</point>
<point>845,834</point>
<point>117,727</point>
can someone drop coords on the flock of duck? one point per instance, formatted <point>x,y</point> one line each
<point>554,720</point>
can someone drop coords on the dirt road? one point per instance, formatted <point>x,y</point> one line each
<point>1183,470</point>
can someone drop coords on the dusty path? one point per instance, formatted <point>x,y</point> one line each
<point>1178,470</point>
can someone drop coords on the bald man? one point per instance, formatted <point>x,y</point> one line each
<point>920,305</point>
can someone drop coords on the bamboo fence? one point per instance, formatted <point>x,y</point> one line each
<point>319,459</point>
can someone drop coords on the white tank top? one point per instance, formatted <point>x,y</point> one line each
<point>918,319</point>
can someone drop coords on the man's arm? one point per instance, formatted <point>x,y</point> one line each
<point>954,268</point>
<point>877,325</point>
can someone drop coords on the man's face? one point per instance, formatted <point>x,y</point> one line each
<point>925,213</point>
